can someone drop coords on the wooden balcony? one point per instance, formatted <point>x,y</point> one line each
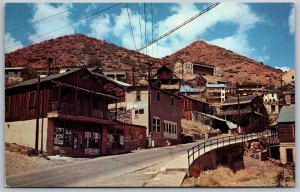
<point>235,112</point>
<point>71,109</point>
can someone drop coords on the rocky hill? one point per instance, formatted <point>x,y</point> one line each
<point>73,49</point>
<point>235,67</point>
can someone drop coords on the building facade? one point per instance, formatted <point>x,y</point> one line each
<point>216,93</point>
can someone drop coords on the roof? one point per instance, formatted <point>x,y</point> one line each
<point>188,89</point>
<point>121,83</point>
<point>287,115</point>
<point>189,97</point>
<point>215,85</point>
<point>229,123</point>
<point>243,100</point>
<point>14,68</point>
<point>44,79</point>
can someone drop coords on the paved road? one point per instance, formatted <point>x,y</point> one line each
<point>132,169</point>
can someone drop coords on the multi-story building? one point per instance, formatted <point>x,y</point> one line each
<point>183,68</point>
<point>215,93</point>
<point>73,117</point>
<point>14,75</point>
<point>286,134</point>
<point>253,114</point>
<point>289,77</point>
<point>272,104</point>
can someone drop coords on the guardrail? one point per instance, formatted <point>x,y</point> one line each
<point>202,148</point>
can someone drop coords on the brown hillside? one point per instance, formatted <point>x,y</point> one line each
<point>236,68</point>
<point>72,49</point>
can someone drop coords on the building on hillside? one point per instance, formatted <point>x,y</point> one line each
<point>189,90</point>
<point>272,104</point>
<point>120,75</point>
<point>288,94</point>
<point>215,93</point>
<point>74,119</point>
<point>250,88</point>
<point>203,69</point>
<point>289,77</point>
<point>286,134</point>
<point>164,79</point>
<point>189,105</point>
<point>253,114</point>
<point>183,68</point>
<point>14,75</point>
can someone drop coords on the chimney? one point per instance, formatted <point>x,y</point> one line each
<point>50,61</point>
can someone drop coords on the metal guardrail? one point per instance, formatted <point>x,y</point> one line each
<point>195,152</point>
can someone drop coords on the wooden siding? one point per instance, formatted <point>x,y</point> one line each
<point>286,133</point>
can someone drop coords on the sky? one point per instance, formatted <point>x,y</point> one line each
<point>261,31</point>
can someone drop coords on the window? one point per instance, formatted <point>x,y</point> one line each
<point>293,77</point>
<point>31,101</point>
<point>272,94</point>
<point>156,124</point>
<point>185,104</point>
<point>138,96</point>
<point>172,100</point>
<point>141,111</point>
<point>68,138</point>
<point>223,94</point>
<point>272,108</point>
<point>58,136</point>
<point>91,139</point>
<point>6,103</point>
<point>157,96</point>
<point>170,128</point>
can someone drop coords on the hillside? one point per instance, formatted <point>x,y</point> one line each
<point>235,67</point>
<point>72,49</point>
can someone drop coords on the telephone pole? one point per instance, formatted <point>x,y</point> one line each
<point>149,106</point>
<point>37,108</point>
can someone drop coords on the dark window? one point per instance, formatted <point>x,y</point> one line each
<point>58,136</point>
<point>136,112</point>
<point>31,102</point>
<point>172,100</point>
<point>138,96</point>
<point>157,96</point>
<point>289,155</point>
<point>141,111</point>
<point>68,138</point>
<point>272,108</point>
<point>185,104</point>
<point>292,77</point>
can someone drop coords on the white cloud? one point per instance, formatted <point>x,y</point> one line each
<point>284,68</point>
<point>235,13</point>
<point>100,27</point>
<point>42,10</point>
<point>292,20</point>
<point>11,44</point>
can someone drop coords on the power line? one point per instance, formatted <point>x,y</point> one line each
<point>130,26</point>
<point>140,24</point>
<point>83,18</point>
<point>152,21</point>
<point>145,13</point>
<point>45,18</point>
<point>179,26</point>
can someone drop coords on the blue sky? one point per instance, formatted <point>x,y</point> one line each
<point>260,31</point>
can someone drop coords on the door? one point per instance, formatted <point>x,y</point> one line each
<point>289,156</point>
<point>77,144</point>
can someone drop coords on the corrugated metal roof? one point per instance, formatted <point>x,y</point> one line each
<point>188,89</point>
<point>287,115</point>
<point>215,85</point>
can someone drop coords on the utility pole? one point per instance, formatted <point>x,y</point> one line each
<point>133,80</point>
<point>238,96</point>
<point>149,105</point>
<point>42,131</point>
<point>37,98</point>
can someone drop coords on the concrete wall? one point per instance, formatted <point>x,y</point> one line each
<point>282,150</point>
<point>23,132</point>
<point>229,156</point>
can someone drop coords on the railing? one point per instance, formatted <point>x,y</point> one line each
<point>234,112</point>
<point>202,148</point>
<point>69,108</point>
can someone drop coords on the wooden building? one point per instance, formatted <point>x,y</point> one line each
<point>286,134</point>
<point>15,75</point>
<point>164,79</point>
<point>189,105</point>
<point>72,111</point>
<point>253,114</point>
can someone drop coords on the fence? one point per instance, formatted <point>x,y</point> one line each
<point>202,148</point>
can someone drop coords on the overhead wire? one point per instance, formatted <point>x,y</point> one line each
<point>130,27</point>
<point>179,26</point>
<point>69,24</point>
<point>45,18</point>
<point>140,26</point>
